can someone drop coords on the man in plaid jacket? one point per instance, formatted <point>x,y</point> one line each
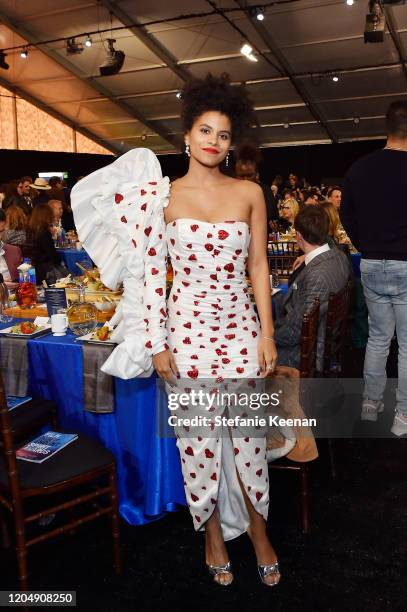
<point>325,270</point>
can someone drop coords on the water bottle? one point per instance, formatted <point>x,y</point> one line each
<point>26,292</point>
<point>32,275</point>
<point>26,266</point>
<point>22,269</point>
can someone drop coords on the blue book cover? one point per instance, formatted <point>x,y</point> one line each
<point>43,447</point>
<point>13,401</point>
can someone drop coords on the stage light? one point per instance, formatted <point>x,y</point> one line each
<point>72,47</point>
<point>286,125</point>
<point>247,51</point>
<point>350,2</point>
<point>88,41</point>
<point>260,14</point>
<point>114,60</point>
<point>178,95</point>
<point>3,63</point>
<point>375,23</point>
<point>24,53</point>
<point>335,78</point>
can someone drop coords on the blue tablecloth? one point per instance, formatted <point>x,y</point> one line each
<point>71,256</point>
<point>148,467</point>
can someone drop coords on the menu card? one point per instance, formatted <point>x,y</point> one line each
<point>55,297</point>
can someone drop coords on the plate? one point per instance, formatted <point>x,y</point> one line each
<point>90,338</point>
<point>43,329</point>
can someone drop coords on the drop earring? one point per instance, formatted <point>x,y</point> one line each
<point>227,159</point>
<point>187,150</point>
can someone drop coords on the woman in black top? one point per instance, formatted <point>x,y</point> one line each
<point>46,259</point>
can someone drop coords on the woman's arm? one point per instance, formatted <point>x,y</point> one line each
<point>257,266</point>
<point>155,267</point>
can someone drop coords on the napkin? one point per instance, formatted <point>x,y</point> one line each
<point>98,387</point>
<point>14,365</point>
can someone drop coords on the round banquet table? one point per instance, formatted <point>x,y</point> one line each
<point>150,481</point>
<point>149,473</point>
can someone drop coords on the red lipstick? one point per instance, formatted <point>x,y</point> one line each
<point>211,150</point>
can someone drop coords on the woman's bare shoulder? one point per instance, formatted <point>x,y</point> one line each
<point>178,184</point>
<point>247,189</point>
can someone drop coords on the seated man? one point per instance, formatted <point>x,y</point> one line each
<point>324,271</point>
<point>10,258</point>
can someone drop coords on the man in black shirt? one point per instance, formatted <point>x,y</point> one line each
<point>374,215</point>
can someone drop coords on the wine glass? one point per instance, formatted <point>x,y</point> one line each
<point>4,303</point>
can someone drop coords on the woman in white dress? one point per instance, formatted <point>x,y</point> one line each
<point>216,227</point>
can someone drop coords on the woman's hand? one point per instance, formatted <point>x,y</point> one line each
<point>298,262</point>
<point>267,354</point>
<point>165,366</point>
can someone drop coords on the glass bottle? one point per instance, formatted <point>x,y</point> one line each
<point>26,292</point>
<point>4,301</point>
<point>82,316</point>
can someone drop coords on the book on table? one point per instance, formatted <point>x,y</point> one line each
<point>44,446</point>
<point>13,401</point>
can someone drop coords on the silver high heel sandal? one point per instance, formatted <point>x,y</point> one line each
<point>215,570</point>
<point>268,570</point>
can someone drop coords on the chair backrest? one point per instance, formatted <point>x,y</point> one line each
<point>9,454</point>
<point>335,329</point>
<point>308,342</point>
<point>283,248</point>
<point>281,257</point>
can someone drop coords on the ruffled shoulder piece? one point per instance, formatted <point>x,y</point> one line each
<point>118,213</point>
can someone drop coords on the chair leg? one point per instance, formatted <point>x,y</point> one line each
<point>115,521</point>
<point>304,498</point>
<point>332,463</point>
<point>21,549</point>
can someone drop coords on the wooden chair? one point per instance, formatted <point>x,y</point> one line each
<point>335,336</point>
<point>308,344</point>
<point>308,352</point>
<point>84,463</point>
<point>284,248</point>
<point>25,420</point>
<point>281,257</point>
<point>335,331</point>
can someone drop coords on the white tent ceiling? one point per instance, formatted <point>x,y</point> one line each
<point>299,46</point>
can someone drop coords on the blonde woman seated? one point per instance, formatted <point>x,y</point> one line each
<point>333,218</point>
<point>16,226</point>
<point>288,211</point>
<point>337,234</point>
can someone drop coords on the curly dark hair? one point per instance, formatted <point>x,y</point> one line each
<point>217,94</point>
<point>248,152</point>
